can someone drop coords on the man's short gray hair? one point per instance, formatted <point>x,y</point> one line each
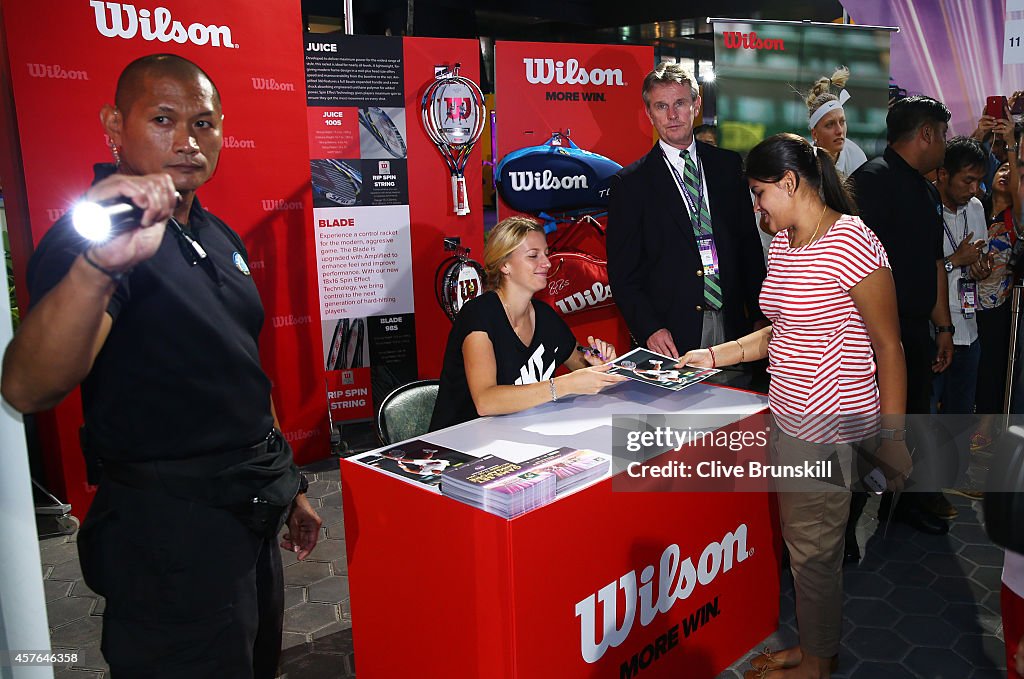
<point>667,73</point>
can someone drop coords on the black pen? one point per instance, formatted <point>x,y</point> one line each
<point>590,350</point>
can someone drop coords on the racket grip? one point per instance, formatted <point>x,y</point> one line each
<point>461,199</point>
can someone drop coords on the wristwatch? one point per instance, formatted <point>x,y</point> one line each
<point>945,328</point>
<point>948,265</point>
<point>893,434</point>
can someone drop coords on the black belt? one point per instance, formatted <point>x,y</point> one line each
<point>256,483</point>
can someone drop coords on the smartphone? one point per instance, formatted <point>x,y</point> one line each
<point>995,107</point>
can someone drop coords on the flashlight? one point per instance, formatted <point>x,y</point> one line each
<point>102,220</point>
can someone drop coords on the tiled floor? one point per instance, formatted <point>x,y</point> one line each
<point>917,606</point>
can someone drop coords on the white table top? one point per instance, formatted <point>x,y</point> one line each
<point>586,421</point>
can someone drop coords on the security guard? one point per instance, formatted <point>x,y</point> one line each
<point>160,326</point>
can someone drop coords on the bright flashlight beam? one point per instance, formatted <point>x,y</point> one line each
<point>97,222</point>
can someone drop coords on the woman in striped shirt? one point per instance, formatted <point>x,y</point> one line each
<point>831,300</point>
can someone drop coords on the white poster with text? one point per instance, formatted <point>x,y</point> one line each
<point>364,261</point>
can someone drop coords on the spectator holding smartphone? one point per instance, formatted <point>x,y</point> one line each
<point>1005,231</point>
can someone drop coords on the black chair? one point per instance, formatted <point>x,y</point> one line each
<point>405,412</point>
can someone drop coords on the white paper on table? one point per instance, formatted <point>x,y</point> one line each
<point>513,451</point>
<point>565,427</point>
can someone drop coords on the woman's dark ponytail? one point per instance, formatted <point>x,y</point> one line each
<point>780,153</point>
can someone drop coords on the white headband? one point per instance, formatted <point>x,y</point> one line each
<point>827,108</point>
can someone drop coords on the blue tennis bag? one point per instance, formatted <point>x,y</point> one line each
<point>556,176</point>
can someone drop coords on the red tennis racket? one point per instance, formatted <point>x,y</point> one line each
<point>453,115</point>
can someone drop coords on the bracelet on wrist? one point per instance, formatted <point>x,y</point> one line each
<point>743,353</point>
<point>554,394</point>
<point>945,328</point>
<point>116,276</point>
<point>714,361</point>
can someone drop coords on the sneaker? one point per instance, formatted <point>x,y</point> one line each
<point>969,493</point>
<point>980,441</point>
<point>936,504</point>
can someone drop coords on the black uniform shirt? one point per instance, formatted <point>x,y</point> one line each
<point>179,375</point>
<point>905,212</point>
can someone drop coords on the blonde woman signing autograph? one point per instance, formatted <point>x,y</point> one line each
<point>831,300</point>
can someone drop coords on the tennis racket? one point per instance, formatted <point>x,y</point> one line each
<point>335,182</point>
<point>458,279</point>
<point>379,124</point>
<point>453,115</point>
<point>347,344</point>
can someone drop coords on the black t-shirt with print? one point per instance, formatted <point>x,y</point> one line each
<point>516,363</point>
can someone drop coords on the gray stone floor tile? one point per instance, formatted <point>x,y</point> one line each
<point>58,553</point>
<point>91,658</point>
<point>871,613</point>
<point>331,516</point>
<point>916,600</point>
<point>927,631</point>
<point>983,555</point>
<point>69,570</point>
<point>860,583</point>
<point>310,617</point>
<point>937,663</point>
<point>334,641</point>
<point>982,650</point>
<point>292,639</point>
<point>877,670</point>
<point>907,574</point>
<point>331,590</point>
<point>69,609</point>
<point>876,644</point>
<point>305,572</point>
<point>76,633</point>
<point>327,550</point>
<point>331,500</point>
<point>294,596</point>
<point>56,589</point>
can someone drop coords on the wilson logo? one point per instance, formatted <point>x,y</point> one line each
<point>55,213</point>
<point>271,84</point>
<point>277,205</point>
<point>546,71</point>
<point>55,72</point>
<point>577,301</point>
<point>545,181</point>
<point>300,435</point>
<point>735,40</point>
<point>676,581</point>
<point>289,320</point>
<point>236,143</point>
<point>117,20</point>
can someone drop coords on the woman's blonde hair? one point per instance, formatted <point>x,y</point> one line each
<point>502,241</point>
<point>821,90</point>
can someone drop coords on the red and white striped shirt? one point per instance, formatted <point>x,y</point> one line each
<point>820,358</point>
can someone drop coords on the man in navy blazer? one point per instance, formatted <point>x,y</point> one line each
<point>684,258</point>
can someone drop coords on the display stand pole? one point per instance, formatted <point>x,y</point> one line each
<point>23,625</point>
<point>1011,359</point>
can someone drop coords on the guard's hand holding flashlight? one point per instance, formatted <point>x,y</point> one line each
<point>125,217</point>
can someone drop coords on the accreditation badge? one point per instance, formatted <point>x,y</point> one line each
<point>967,291</point>
<point>708,254</point>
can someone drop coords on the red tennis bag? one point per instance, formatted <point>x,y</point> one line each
<point>578,281</point>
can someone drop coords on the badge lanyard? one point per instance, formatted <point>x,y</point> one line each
<point>705,242</point>
<point>694,209</point>
<point>967,289</point>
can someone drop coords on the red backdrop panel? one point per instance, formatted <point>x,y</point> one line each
<point>431,213</point>
<point>62,76</point>
<point>543,88</point>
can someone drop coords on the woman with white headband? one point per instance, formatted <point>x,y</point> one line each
<point>827,121</point>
